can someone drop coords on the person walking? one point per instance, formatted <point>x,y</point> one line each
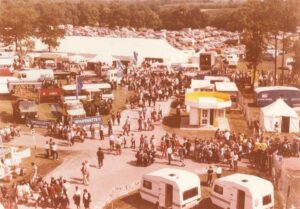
<point>132,141</point>
<point>170,153</point>
<point>118,117</point>
<point>113,117</point>
<point>92,130</point>
<point>84,172</point>
<point>210,172</point>
<point>47,148</point>
<point>64,201</point>
<point>110,131</point>
<point>34,172</point>
<point>219,172</point>
<point>235,161</point>
<point>54,151</point>
<point>69,137</point>
<point>76,197</point>
<point>100,156</point>
<point>86,199</point>
<point>101,133</point>
<point>181,151</point>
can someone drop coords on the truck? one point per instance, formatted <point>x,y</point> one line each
<point>24,109</point>
<point>70,110</point>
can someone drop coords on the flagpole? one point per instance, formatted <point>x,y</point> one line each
<point>77,87</point>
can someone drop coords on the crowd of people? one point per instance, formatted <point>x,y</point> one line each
<point>54,193</point>
<point>9,132</point>
<point>149,88</point>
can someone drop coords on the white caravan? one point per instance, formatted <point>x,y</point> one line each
<point>242,191</point>
<point>171,188</point>
<point>4,83</point>
<point>36,74</point>
<point>69,91</point>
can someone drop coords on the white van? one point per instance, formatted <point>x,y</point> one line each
<point>72,109</point>
<point>36,74</point>
<point>232,59</point>
<point>171,188</point>
<point>69,91</point>
<point>114,76</point>
<point>4,89</point>
<point>242,191</point>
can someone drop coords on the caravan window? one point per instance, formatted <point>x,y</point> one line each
<point>147,184</point>
<point>218,189</point>
<point>190,193</point>
<point>267,199</point>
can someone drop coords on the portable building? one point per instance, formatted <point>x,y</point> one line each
<point>242,191</point>
<point>171,188</point>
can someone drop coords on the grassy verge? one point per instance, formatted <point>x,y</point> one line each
<point>45,165</point>
<point>119,104</point>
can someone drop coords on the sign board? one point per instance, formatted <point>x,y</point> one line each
<point>87,120</point>
<point>40,123</point>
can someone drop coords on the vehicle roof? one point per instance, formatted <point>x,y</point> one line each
<point>254,184</point>
<point>87,86</point>
<point>226,86</point>
<point>274,88</point>
<point>72,101</point>
<point>218,78</point>
<point>182,178</point>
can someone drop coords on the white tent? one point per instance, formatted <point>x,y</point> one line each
<point>119,47</point>
<point>280,112</point>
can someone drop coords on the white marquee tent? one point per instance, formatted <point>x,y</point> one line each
<point>119,47</point>
<point>279,111</point>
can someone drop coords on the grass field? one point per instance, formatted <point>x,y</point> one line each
<point>45,165</point>
<point>44,109</point>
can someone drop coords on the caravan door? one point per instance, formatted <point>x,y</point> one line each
<point>238,199</point>
<point>162,194</point>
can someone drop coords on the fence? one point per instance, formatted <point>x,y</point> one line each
<point>243,106</point>
<point>289,189</point>
<point>118,192</point>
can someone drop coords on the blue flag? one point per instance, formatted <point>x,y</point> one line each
<point>135,57</point>
<point>79,85</point>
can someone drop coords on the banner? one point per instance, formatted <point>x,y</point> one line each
<point>87,120</point>
<point>40,123</point>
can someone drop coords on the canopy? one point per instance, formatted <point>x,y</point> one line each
<point>286,117</point>
<point>124,47</point>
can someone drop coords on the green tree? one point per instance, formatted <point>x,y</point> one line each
<point>183,16</point>
<point>88,13</point>
<point>254,35</point>
<point>296,67</point>
<point>17,24</point>
<point>48,29</point>
<point>281,17</point>
<point>119,15</point>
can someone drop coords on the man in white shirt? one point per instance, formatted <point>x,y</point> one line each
<point>54,151</point>
<point>219,172</point>
<point>235,159</point>
<point>169,152</point>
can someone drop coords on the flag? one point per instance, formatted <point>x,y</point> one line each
<point>79,85</point>
<point>135,57</point>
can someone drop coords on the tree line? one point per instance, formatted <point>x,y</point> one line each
<point>258,21</point>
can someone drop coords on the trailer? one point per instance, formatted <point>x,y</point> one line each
<point>242,191</point>
<point>171,188</point>
<point>267,95</point>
